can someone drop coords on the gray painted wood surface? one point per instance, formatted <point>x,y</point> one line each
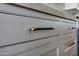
<point>16,39</point>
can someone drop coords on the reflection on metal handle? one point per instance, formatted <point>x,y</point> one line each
<point>35,29</point>
<point>71,28</point>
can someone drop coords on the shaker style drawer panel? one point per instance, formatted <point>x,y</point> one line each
<point>15,29</point>
<point>18,48</point>
<point>8,8</point>
<point>39,51</point>
<point>45,50</point>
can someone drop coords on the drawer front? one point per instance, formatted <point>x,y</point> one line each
<point>39,51</point>
<point>27,46</point>
<point>55,47</point>
<point>15,29</point>
<point>68,27</point>
<point>8,8</point>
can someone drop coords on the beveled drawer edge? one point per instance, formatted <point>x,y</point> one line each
<point>27,41</point>
<point>11,13</point>
<point>69,22</point>
<point>35,9</point>
<point>36,47</point>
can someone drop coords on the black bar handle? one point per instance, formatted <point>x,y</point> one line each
<point>36,29</point>
<point>71,44</point>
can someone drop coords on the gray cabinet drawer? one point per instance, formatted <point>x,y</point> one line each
<point>15,29</point>
<point>39,51</point>
<point>45,50</point>
<point>26,46</point>
<point>12,9</point>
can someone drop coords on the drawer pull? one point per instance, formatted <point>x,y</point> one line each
<point>36,29</point>
<point>71,44</point>
<point>71,28</point>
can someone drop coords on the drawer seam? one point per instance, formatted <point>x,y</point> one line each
<point>27,41</point>
<point>36,47</point>
<point>10,13</point>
